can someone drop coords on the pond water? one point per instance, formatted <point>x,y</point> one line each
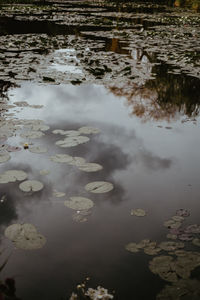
<point>147,146</point>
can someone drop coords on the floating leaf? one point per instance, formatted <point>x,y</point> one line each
<point>171,246</point>
<point>17,174</point>
<point>196,242</point>
<point>32,134</point>
<point>58,194</point>
<point>40,127</point>
<point>61,158</point>
<point>13,149</point>
<point>185,237</point>
<point>132,247</point>
<point>99,187</point>
<point>4,156</point>
<point>164,267</point>
<point>72,133</point>
<point>172,224</point>
<point>77,161</point>
<point>152,251</point>
<point>79,218</point>
<point>44,172</point>
<point>12,176</point>
<point>192,229</point>
<point>172,236</point>
<point>79,203</point>
<point>58,131</point>
<point>31,186</point>
<point>138,212</point>
<point>25,236</point>
<point>90,167</point>
<point>88,130</point>
<point>182,212</point>
<point>38,149</point>
<point>72,141</point>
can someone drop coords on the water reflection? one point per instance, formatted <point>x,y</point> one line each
<point>167,97</point>
<point>150,168</point>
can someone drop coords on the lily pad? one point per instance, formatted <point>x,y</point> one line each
<point>17,174</point>
<point>90,167</point>
<point>182,212</point>
<point>193,229</point>
<point>59,131</point>
<point>44,172</point>
<point>32,134</point>
<point>172,224</point>
<point>72,141</point>
<point>58,194</point>
<point>138,212</point>
<point>79,218</point>
<point>196,242</point>
<point>4,156</point>
<point>77,161</point>
<point>132,247</point>
<point>72,133</point>
<point>31,186</point>
<point>171,246</point>
<point>79,203</point>
<point>61,158</point>
<point>38,149</point>
<point>25,236</point>
<point>88,130</point>
<point>99,187</point>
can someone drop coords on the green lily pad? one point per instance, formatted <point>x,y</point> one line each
<point>38,149</point>
<point>12,176</point>
<point>79,218</point>
<point>72,141</point>
<point>196,242</point>
<point>90,167</point>
<point>88,130</point>
<point>171,246</point>
<point>132,247</point>
<point>77,161</point>
<point>4,156</point>
<point>58,194</point>
<point>99,187</point>
<point>72,133</point>
<point>32,134</point>
<point>31,186</point>
<point>58,131</point>
<point>44,172</point>
<point>138,212</point>
<point>79,203</point>
<point>61,158</point>
<point>25,236</point>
